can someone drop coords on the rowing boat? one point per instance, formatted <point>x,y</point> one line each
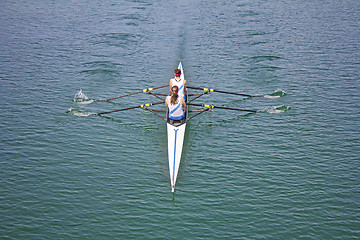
<point>175,135</point>
<point>176,129</point>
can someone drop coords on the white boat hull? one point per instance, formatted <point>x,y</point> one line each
<point>175,146</point>
<point>176,133</point>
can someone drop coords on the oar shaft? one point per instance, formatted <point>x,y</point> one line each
<point>123,109</point>
<point>220,91</point>
<point>118,110</point>
<point>235,109</point>
<point>126,95</point>
<point>204,110</point>
<point>154,112</point>
<point>129,94</point>
<point>228,108</point>
<point>155,95</point>
<point>202,94</point>
<point>232,93</point>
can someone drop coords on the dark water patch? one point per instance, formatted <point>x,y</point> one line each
<point>264,58</point>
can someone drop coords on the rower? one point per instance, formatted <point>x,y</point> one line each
<point>180,83</point>
<point>175,103</point>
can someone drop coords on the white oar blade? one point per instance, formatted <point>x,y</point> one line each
<point>78,113</point>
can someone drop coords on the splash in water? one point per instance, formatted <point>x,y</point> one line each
<point>277,94</point>
<point>278,109</point>
<point>78,113</point>
<point>81,98</point>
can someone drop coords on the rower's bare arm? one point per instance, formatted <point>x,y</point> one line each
<point>183,103</point>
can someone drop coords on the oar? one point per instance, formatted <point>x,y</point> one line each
<point>228,108</point>
<point>219,91</point>
<point>128,108</point>
<point>200,112</point>
<point>156,95</point>
<point>202,94</point>
<point>154,111</point>
<point>129,94</point>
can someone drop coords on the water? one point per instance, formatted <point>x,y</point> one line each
<point>287,175</point>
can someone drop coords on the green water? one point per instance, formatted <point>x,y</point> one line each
<point>286,173</point>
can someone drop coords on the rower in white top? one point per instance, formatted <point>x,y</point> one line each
<point>179,82</point>
<point>176,105</point>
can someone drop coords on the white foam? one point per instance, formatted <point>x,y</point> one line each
<point>78,113</point>
<point>278,109</point>
<point>85,102</point>
<point>81,98</point>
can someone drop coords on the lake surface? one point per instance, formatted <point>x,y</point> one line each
<point>271,175</point>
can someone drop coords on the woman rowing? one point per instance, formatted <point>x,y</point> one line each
<point>175,103</point>
<point>179,82</point>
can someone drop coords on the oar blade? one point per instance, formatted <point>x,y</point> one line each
<point>278,109</point>
<point>277,94</point>
<point>78,113</point>
<point>81,98</point>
